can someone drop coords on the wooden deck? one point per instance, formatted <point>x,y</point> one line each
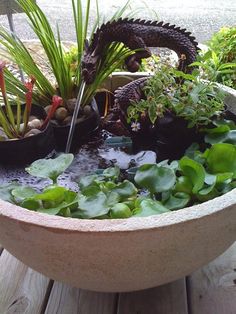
<point>210,290</point>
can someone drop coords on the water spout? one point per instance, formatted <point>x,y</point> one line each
<point>75,115</point>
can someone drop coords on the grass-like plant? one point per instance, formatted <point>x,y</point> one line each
<point>67,80</point>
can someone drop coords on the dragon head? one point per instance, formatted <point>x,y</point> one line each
<point>89,67</point>
<point>89,64</point>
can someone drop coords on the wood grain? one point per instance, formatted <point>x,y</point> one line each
<point>212,289</point>
<point>22,290</point>
<point>166,299</point>
<point>66,299</point>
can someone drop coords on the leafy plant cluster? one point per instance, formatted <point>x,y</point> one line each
<point>68,79</point>
<point>150,189</point>
<point>182,94</point>
<point>219,61</point>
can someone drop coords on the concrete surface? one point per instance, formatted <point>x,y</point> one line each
<point>201,17</point>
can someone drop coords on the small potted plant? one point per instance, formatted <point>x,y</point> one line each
<point>25,131</point>
<point>67,78</point>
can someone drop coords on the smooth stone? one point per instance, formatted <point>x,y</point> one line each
<point>61,113</point>
<point>70,104</point>
<point>34,124</point>
<point>87,110</point>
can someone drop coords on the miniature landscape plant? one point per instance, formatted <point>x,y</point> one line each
<point>185,95</point>
<point>68,80</point>
<point>14,118</point>
<point>219,61</point>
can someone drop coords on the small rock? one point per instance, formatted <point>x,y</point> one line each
<point>32,132</point>
<point>35,124</point>
<point>32,118</point>
<point>67,120</point>
<point>3,136</point>
<point>21,129</point>
<point>47,108</point>
<point>87,110</point>
<point>61,113</point>
<point>78,120</point>
<point>70,104</point>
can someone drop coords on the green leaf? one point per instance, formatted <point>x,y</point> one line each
<point>120,210</point>
<point>184,184</point>
<point>50,168</point>
<point>55,194</point>
<point>30,204</point>
<point>152,112</point>
<point>222,158</point>
<point>155,179</point>
<point>194,171</point>
<point>219,129</point>
<point>177,201</point>
<point>222,177</point>
<point>90,190</point>
<point>87,181</point>
<point>69,203</point>
<point>23,192</point>
<point>207,193</point>
<point>92,206</point>
<point>5,191</point>
<point>149,207</point>
<point>113,198</point>
<point>113,172</point>
<point>125,190</point>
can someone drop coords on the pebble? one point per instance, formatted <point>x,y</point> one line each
<point>34,124</point>
<point>32,132</point>
<point>87,110</point>
<point>61,113</point>
<point>70,104</point>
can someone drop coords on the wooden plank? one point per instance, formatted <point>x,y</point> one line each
<point>212,289</point>
<point>66,299</point>
<point>22,290</point>
<point>166,299</point>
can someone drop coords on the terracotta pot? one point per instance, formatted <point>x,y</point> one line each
<point>120,254</point>
<point>28,149</point>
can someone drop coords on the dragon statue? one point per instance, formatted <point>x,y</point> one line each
<point>137,35</point>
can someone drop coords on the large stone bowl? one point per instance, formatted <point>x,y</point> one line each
<point>120,254</point>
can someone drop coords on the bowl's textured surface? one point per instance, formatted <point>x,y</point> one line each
<point>121,254</point>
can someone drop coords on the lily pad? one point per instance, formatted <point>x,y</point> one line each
<point>50,168</point>
<point>155,179</point>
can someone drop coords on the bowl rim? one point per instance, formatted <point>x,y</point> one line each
<point>68,225</point>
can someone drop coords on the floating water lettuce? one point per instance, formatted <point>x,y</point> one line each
<point>50,168</point>
<point>153,189</point>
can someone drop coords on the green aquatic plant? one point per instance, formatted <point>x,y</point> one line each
<point>150,189</point>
